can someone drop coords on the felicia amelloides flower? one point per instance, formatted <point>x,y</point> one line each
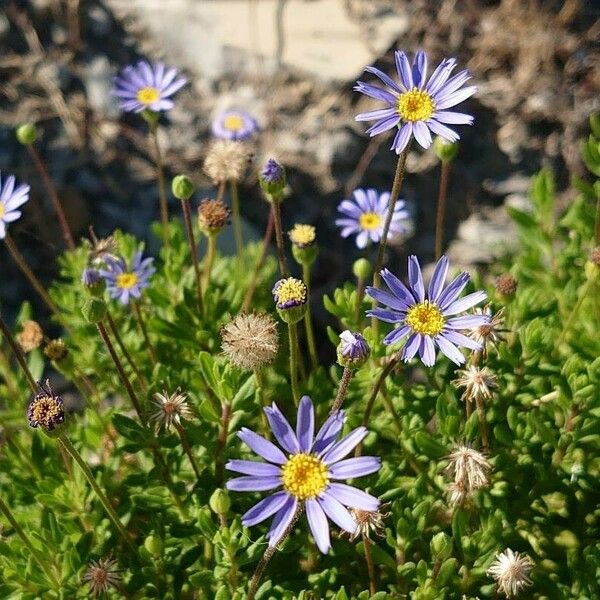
<point>125,282</point>
<point>11,198</point>
<point>416,105</point>
<point>101,575</point>
<point>511,571</point>
<point>364,216</point>
<point>145,86</point>
<point>302,235</point>
<point>234,125</point>
<point>429,318</point>
<point>306,472</point>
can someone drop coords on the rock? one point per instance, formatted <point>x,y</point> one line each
<point>518,183</point>
<point>97,79</point>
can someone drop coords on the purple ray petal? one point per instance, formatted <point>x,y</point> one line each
<point>355,467</point>
<point>383,125</point>
<point>375,115</point>
<point>396,335</point>
<point>461,340</point>
<point>337,512</point>
<point>281,429</point>
<point>453,118</point>
<point>352,497</point>
<point>375,92</point>
<point>467,321</point>
<point>422,134</point>
<point>268,450</point>
<point>465,303</point>
<point>440,75</point>
<point>398,288</point>
<point>395,301</point>
<point>416,278</point>
<point>427,351</point>
<point>252,467</point>
<point>385,78</point>
<point>419,69</point>
<point>251,483</point>
<point>404,69</point>
<point>444,132</point>
<point>387,316</point>
<point>450,350</point>
<point>345,445</point>
<point>402,138</point>
<point>411,347</point>
<point>453,290</point>
<point>438,278</point>
<point>329,431</point>
<point>319,527</point>
<point>447,101</point>
<point>282,520</point>
<point>264,509</point>
<point>305,427</point>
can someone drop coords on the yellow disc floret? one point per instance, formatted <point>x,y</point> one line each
<point>148,95</point>
<point>126,281</point>
<point>415,105</point>
<point>302,235</point>
<point>304,476</point>
<point>290,292</point>
<point>2,209</point>
<point>425,318</point>
<point>370,220</point>
<point>233,122</point>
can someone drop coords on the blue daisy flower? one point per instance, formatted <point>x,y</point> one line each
<point>234,125</point>
<point>430,318</point>
<point>416,104</point>
<point>305,472</point>
<point>147,87</point>
<point>11,198</point>
<point>122,282</point>
<point>365,215</point>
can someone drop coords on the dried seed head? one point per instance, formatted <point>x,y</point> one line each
<point>31,336</point>
<point>478,383</point>
<point>506,285</point>
<point>213,215</point>
<point>250,341</point>
<point>103,249</point>
<point>56,350</point>
<point>490,333</point>
<point>469,469</point>
<point>226,161</point>
<point>101,575</point>
<point>46,409</point>
<point>511,572</point>
<point>170,409</point>
<point>368,522</point>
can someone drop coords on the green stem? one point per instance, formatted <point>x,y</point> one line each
<point>260,396</point>
<point>211,253</point>
<point>185,443</point>
<point>369,561</point>
<point>37,555</point>
<point>276,210</point>
<point>237,220</point>
<point>360,296</point>
<point>187,218</point>
<point>441,208</point>
<point>293,350</point>
<point>222,442</point>
<point>162,189</point>
<point>68,446</point>
<point>308,323</point>
<point>142,324</point>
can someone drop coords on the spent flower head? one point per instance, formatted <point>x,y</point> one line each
<point>46,410</point>
<point>101,575</point>
<point>364,216</point>
<point>250,341</point>
<point>11,198</point>
<point>226,160</point>
<point>511,571</point>
<point>56,349</point>
<point>506,285</point>
<point>368,521</point>
<point>477,381</point>
<point>428,318</point>
<point>417,105</point>
<point>170,409</point>
<point>213,215</point>
<point>103,249</point>
<point>146,86</point>
<point>305,472</point>
<point>125,282</point>
<point>234,125</point>
<point>468,468</point>
<point>31,336</point>
<point>490,333</point>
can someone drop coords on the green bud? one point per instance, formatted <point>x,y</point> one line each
<point>93,310</point>
<point>362,269</point>
<point>292,315</point>
<point>154,545</point>
<point>441,546</point>
<point>445,151</point>
<point>272,180</point>
<point>182,187</point>
<point>151,117</point>
<point>219,502</point>
<point>27,134</point>
<point>305,256</point>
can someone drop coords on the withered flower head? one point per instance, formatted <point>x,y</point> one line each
<point>46,409</point>
<point>171,408</point>
<point>477,381</point>
<point>226,160</point>
<point>56,350</point>
<point>368,522</point>
<point>490,333</point>
<point>102,249</point>
<point>250,341</point>
<point>31,336</point>
<point>511,572</point>
<point>506,284</point>
<point>213,215</point>
<point>101,575</point>
<point>469,470</point>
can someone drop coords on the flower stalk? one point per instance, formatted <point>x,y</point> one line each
<point>237,220</point>
<point>342,389</point>
<point>441,208</point>
<point>276,210</point>
<point>7,333</point>
<point>370,565</point>
<point>142,324</point>
<point>187,218</point>
<point>293,350</point>
<point>160,177</point>
<point>211,254</point>
<point>308,322</point>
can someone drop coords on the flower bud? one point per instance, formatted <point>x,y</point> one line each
<point>93,310</point>
<point>182,187</point>
<point>92,281</point>
<point>445,151</point>
<point>272,180</point>
<point>290,297</point>
<point>56,350</point>
<point>154,545</point>
<point>353,350</point>
<point>219,502</point>
<point>362,269</point>
<point>304,248</point>
<point>27,134</point>
<point>441,546</point>
<point>506,285</point>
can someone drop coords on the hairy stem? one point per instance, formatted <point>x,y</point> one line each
<point>370,565</point>
<point>308,322</point>
<point>187,218</point>
<point>283,266</point>
<point>293,350</point>
<point>342,390</point>
<point>185,443</point>
<point>160,177</point>
<point>211,253</point>
<point>441,208</point>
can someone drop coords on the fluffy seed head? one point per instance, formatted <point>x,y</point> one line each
<point>101,575</point>
<point>469,469</point>
<point>250,341</point>
<point>56,350</point>
<point>170,409</point>
<point>511,572</point>
<point>478,383</point>
<point>506,284</point>
<point>226,161</point>
<point>31,336</point>
<point>213,215</point>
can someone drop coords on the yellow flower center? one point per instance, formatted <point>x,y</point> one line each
<point>148,95</point>
<point>425,318</point>
<point>304,476</point>
<point>369,220</point>
<point>415,105</point>
<point>291,290</point>
<point>2,209</point>
<point>303,235</point>
<point>126,281</point>
<point>233,122</point>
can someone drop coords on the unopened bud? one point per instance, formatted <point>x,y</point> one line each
<point>219,502</point>
<point>445,151</point>
<point>441,546</point>
<point>362,269</point>
<point>182,187</point>
<point>93,310</point>
<point>353,350</point>
<point>272,180</point>
<point>27,134</point>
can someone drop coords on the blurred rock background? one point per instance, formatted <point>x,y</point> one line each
<point>292,64</point>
